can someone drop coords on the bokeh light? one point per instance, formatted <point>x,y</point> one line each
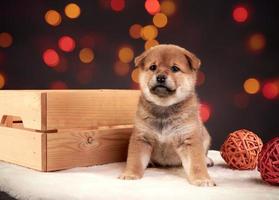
<point>66,43</point>
<point>117,5</point>
<point>62,66</point>
<point>72,10</point>
<point>200,78</point>
<point>240,14</point>
<point>241,100</point>
<point>53,18</point>
<point>168,7</point>
<point>270,90</point>
<point>57,85</point>
<point>135,75</point>
<point>6,40</point>
<point>251,86</point>
<point>205,112</point>
<point>125,54</point>
<point>121,69</point>
<point>150,43</point>
<point>2,80</point>
<point>256,42</point>
<point>149,32</point>
<point>135,31</point>
<point>51,58</point>
<point>160,20</point>
<point>152,6</point>
<point>86,55</point>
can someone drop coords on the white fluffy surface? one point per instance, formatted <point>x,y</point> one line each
<point>100,182</point>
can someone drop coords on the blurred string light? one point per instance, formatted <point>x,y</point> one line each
<point>200,78</point>
<point>241,100</point>
<point>150,43</point>
<point>72,10</point>
<point>2,80</point>
<point>53,18</point>
<point>270,90</point>
<point>125,54</point>
<point>66,43</point>
<point>152,6</point>
<point>121,69</point>
<point>51,58</point>
<point>135,75</point>
<point>58,85</point>
<point>149,32</point>
<point>135,31</point>
<point>205,111</point>
<point>240,14</point>
<point>256,42</point>
<point>168,7</point>
<point>6,40</point>
<point>86,55</point>
<point>160,20</point>
<point>251,86</point>
<point>117,5</point>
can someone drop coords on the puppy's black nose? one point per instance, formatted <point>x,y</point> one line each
<point>161,78</point>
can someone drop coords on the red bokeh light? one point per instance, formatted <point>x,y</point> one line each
<point>117,5</point>
<point>51,57</point>
<point>240,14</point>
<point>270,90</point>
<point>58,85</point>
<point>66,43</point>
<point>152,6</point>
<point>205,112</point>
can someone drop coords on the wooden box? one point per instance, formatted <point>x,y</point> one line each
<point>50,130</point>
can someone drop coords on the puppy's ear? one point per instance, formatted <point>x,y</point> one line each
<point>193,60</point>
<point>139,60</point>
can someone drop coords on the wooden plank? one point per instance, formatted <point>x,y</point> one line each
<point>22,147</point>
<point>90,108</point>
<point>23,104</point>
<point>77,148</point>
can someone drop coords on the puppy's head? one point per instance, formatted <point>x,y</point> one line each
<point>167,74</point>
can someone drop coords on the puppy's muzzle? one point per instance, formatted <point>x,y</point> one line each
<point>161,78</point>
<point>161,88</point>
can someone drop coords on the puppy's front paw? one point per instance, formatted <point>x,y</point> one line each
<point>203,182</point>
<point>129,176</point>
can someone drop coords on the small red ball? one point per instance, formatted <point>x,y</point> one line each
<point>268,162</point>
<point>241,149</point>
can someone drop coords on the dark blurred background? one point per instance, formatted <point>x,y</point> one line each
<point>91,44</point>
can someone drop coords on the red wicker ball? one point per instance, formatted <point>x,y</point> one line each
<point>268,162</point>
<point>241,149</point>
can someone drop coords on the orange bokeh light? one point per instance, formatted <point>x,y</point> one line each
<point>86,55</point>
<point>205,112</point>
<point>117,5</point>
<point>121,69</point>
<point>51,58</point>
<point>126,54</point>
<point>2,80</point>
<point>66,43</point>
<point>256,42</point>
<point>152,6</point>
<point>251,86</point>
<point>240,14</point>
<point>270,90</point>
<point>150,43</point>
<point>72,10</point>
<point>135,31</point>
<point>149,32</point>
<point>6,40</point>
<point>135,75</point>
<point>53,18</point>
<point>168,7</point>
<point>160,20</point>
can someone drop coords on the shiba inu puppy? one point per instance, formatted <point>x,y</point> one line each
<point>168,130</point>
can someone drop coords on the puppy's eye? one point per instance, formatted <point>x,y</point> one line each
<point>153,67</point>
<point>175,69</point>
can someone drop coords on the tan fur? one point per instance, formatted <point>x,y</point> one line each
<point>168,130</point>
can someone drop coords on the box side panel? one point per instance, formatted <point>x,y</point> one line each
<point>21,147</point>
<point>90,109</point>
<point>23,104</point>
<point>84,148</point>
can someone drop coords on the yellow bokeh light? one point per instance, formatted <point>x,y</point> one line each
<point>53,18</point>
<point>86,55</point>
<point>126,54</point>
<point>160,20</point>
<point>72,10</point>
<point>149,32</point>
<point>6,40</point>
<point>257,42</point>
<point>121,69</point>
<point>168,7</point>
<point>135,75</point>
<point>150,43</point>
<point>251,86</point>
<point>2,81</point>
<point>135,31</point>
